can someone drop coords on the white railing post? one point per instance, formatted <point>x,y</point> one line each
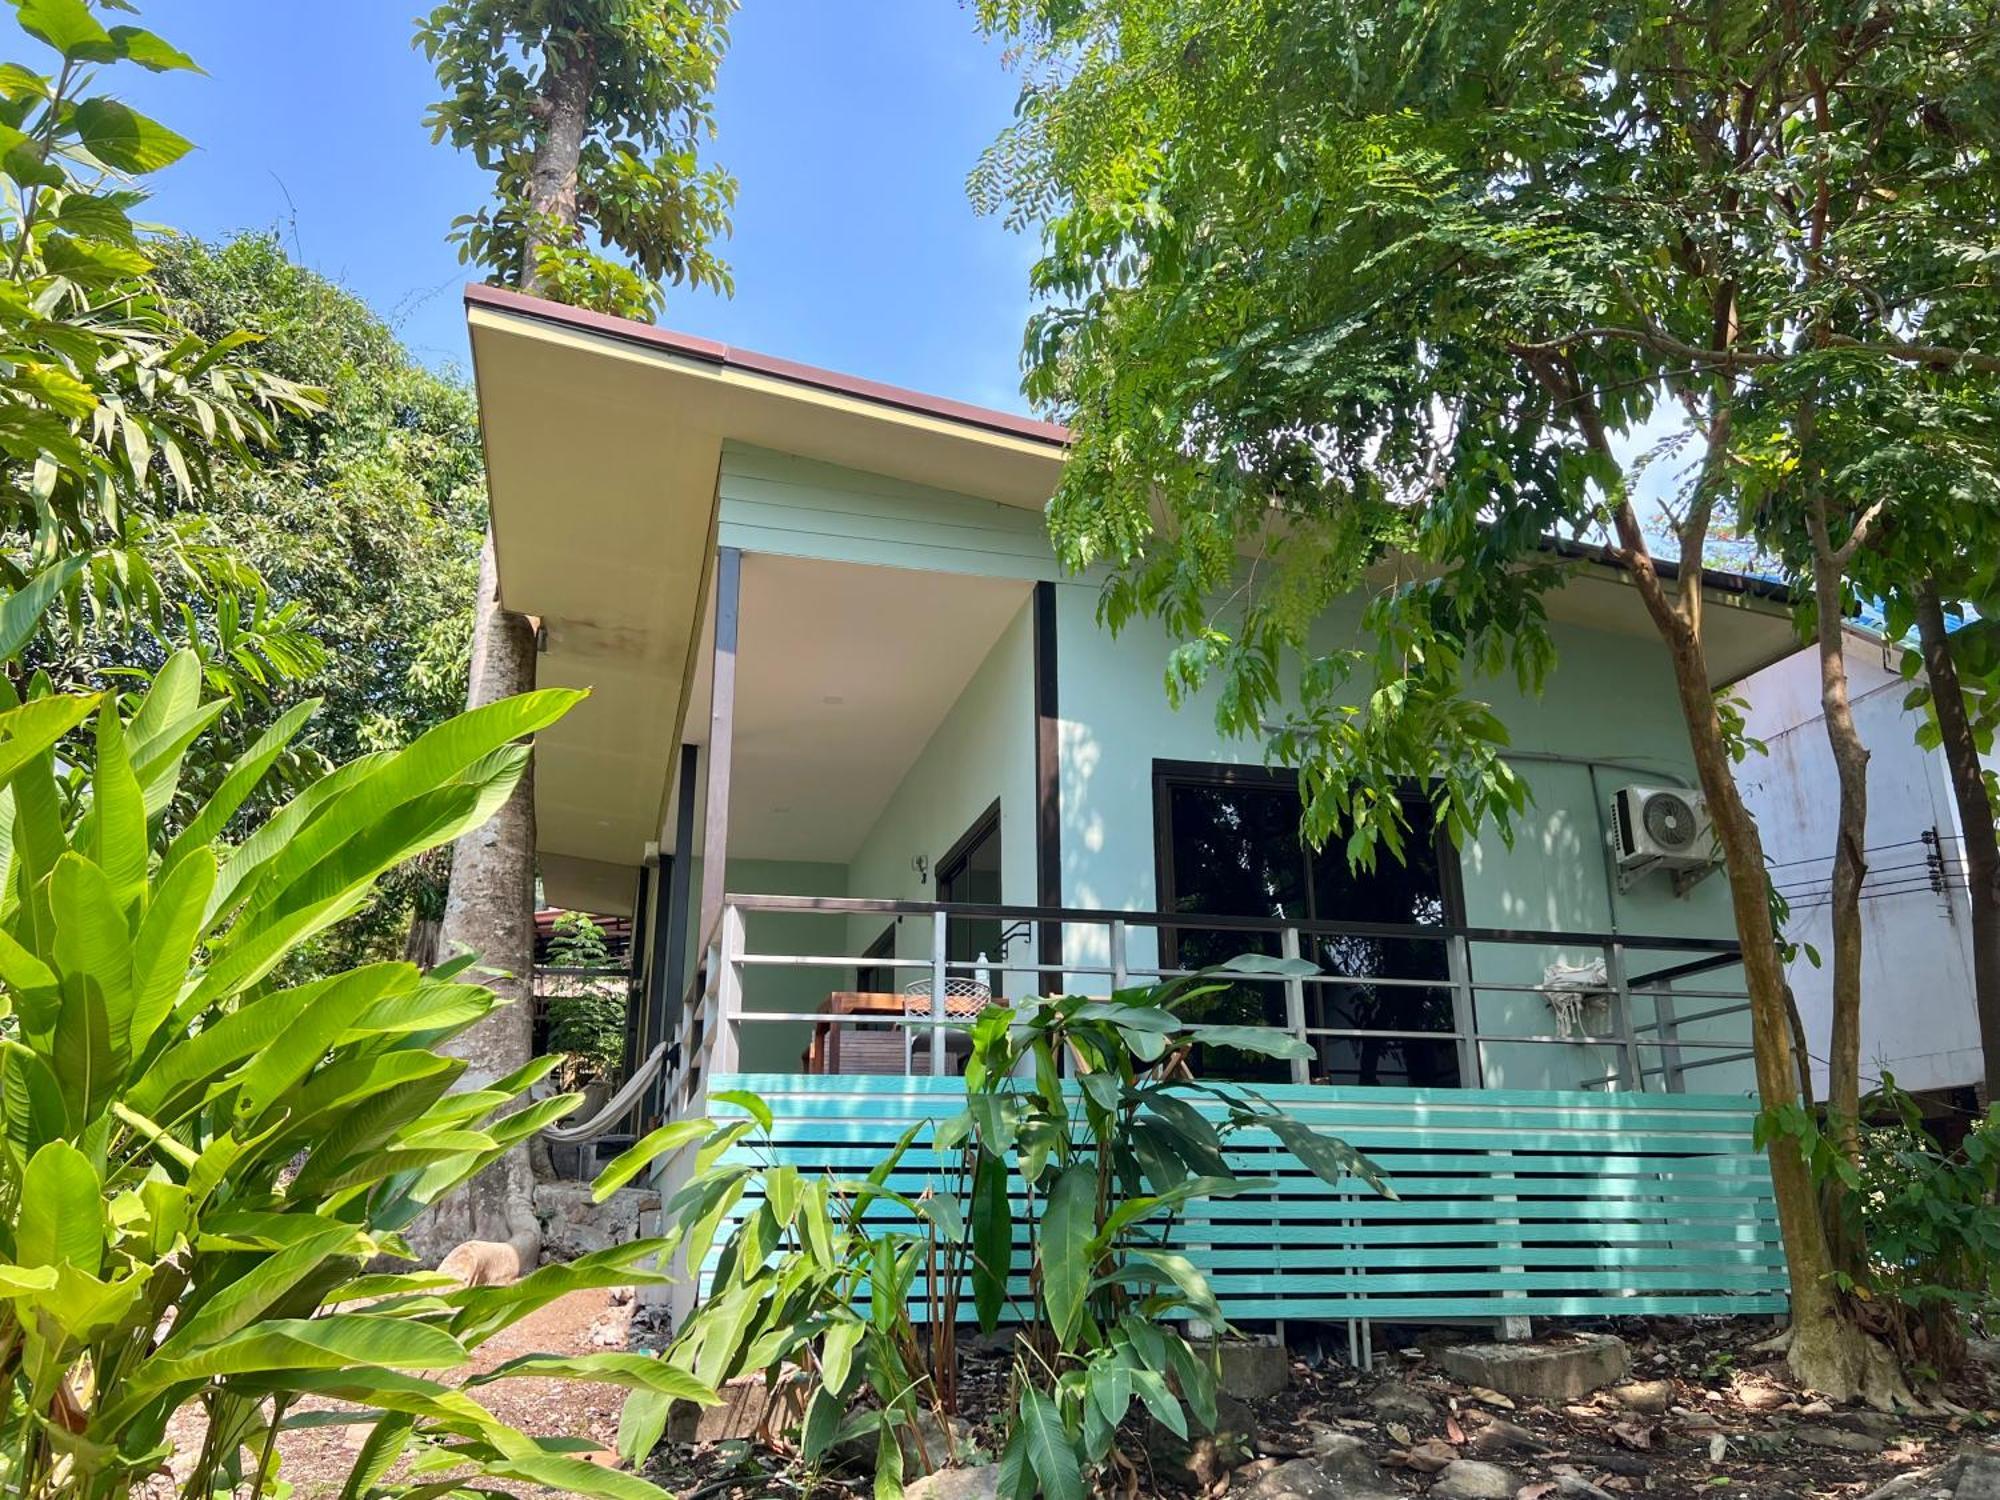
<point>1464,1013</point>
<point>939,981</point>
<point>1121,976</point>
<point>1668,1030</point>
<point>1295,1005</point>
<point>728,991</point>
<point>1621,992</point>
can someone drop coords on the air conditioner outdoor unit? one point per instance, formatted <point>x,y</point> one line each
<point>1661,828</point>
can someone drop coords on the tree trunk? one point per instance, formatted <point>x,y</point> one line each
<point>1975,817</point>
<point>1850,862</point>
<point>490,906</point>
<point>563,104</point>
<point>1827,1350</point>
<point>490,911</point>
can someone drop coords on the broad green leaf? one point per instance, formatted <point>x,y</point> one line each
<point>836,1354</point>
<point>149,51</point>
<point>92,938</point>
<point>22,610</point>
<point>1050,1454</point>
<point>337,1342</point>
<point>66,25</point>
<point>61,1211</point>
<point>28,731</point>
<point>244,777</point>
<point>258,1289</point>
<point>121,137</point>
<point>1185,1277</point>
<point>630,1162</point>
<point>287,1058</point>
<point>163,952</point>
<point>1329,1158</point>
<point>992,1238</point>
<point>638,1372</point>
<point>1063,1247</point>
<point>1266,1041</point>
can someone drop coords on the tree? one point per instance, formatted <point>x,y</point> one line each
<point>364,518</point>
<point>110,412</point>
<point>1369,291</point>
<point>591,117</point>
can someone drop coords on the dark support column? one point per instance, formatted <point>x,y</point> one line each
<point>670,942</point>
<point>635,964</point>
<point>1048,785</point>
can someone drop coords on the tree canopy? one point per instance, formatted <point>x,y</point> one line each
<point>592,117</point>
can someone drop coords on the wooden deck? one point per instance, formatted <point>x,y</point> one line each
<point>1511,1204</point>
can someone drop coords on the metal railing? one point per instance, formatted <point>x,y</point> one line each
<point>1645,1029</point>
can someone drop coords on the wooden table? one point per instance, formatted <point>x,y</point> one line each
<point>823,1056</point>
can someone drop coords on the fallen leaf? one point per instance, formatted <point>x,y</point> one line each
<point>1491,1398</point>
<point>1426,1458</point>
<point>1452,1430</point>
<point>1534,1491</point>
<point>1399,1433</point>
<point>1633,1434</point>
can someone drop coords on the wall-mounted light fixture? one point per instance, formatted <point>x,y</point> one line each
<point>922,865</point>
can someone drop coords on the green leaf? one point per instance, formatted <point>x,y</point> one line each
<point>149,51</point>
<point>340,1341</point>
<point>68,26</point>
<point>21,613</point>
<point>1329,1158</point>
<point>888,1461</point>
<point>749,1103</point>
<point>1183,1274</point>
<point>1068,1226</point>
<point>1267,1041</point>
<point>837,1354</point>
<point>630,1162</point>
<point>122,138</point>
<point>1049,1451</point>
<point>61,1211</point>
<point>163,952</point>
<point>637,1372</point>
<point>992,1238</point>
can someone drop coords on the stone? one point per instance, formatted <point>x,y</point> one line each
<point>1840,1439</point>
<point>1344,1476</point>
<point>1251,1369</point>
<point>741,1413</point>
<point>1555,1372</point>
<point>1978,1476</point>
<point>1652,1397</point>
<point>932,1443</point>
<point>1469,1479</point>
<point>1394,1401</point>
<point>572,1225</point>
<point>1879,1424</point>
<point>982,1483</point>
<point>1502,1437</point>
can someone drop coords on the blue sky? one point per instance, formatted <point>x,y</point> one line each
<point>850,125</point>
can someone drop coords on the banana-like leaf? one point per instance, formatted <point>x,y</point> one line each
<point>630,1162</point>
<point>638,1372</point>
<point>21,612</point>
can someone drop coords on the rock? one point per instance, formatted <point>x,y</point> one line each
<point>1879,1424</point>
<point>932,1444</point>
<point>1839,1438</point>
<point>1503,1437</point>
<point>1393,1401</point>
<point>1543,1372</point>
<point>1207,1456</point>
<point>741,1414</point>
<point>1251,1369</point>
<point>1469,1479</point>
<point>1346,1475</point>
<point>1650,1396</point>
<point>1758,1395</point>
<point>1978,1475</point>
<point>572,1225</point>
<point>482,1263</point>
<point>982,1483</point>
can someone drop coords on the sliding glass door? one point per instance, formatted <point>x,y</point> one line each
<point>1228,845</point>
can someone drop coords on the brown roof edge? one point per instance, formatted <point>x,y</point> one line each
<point>709,351</point>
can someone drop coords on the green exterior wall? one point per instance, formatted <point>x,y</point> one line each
<point>1610,706</point>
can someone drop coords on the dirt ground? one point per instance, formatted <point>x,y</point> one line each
<point>316,1460</point>
<point>1701,1413</point>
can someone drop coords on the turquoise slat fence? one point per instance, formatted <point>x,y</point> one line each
<point>1511,1203</point>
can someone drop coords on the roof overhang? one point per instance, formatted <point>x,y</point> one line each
<point>603,443</point>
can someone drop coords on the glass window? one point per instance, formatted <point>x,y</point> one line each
<point>1230,847</point>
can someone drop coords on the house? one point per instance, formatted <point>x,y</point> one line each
<point>1918,1020</point>
<point>852,730</point>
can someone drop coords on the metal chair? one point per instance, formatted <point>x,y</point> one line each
<point>963,999</point>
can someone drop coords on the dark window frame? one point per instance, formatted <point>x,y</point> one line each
<point>1169,774</point>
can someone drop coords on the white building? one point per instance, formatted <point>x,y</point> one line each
<point>1918,1020</point>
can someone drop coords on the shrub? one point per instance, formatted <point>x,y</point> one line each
<point>1110,1164</point>
<point>200,1163</point>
